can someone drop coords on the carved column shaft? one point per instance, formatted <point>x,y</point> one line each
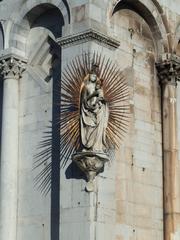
<point>168,72</point>
<point>11,70</point>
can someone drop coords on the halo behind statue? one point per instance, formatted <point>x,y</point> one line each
<point>116,95</point>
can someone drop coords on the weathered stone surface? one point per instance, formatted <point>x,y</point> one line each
<point>127,203</point>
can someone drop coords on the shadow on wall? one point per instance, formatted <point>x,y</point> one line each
<point>55,170</point>
<point>1,105</point>
<point>1,85</point>
<point>117,96</point>
<point>51,21</point>
<point>178,48</point>
<point>73,172</point>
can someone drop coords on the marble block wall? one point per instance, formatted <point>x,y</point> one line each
<point>128,200</point>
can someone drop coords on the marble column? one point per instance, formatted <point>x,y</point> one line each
<point>169,72</point>
<point>11,71</point>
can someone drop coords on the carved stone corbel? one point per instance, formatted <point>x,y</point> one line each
<point>91,164</point>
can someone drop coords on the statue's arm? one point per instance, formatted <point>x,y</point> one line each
<point>84,98</point>
<point>94,94</point>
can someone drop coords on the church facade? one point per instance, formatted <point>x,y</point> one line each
<point>44,48</point>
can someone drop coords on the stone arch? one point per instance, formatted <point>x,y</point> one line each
<point>17,32</point>
<point>62,5</point>
<point>152,14</point>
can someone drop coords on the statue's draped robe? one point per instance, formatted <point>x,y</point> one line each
<point>93,119</point>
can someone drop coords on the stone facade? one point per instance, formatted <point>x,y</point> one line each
<point>137,197</point>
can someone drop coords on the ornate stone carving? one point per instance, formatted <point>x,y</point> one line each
<point>169,69</point>
<point>91,163</point>
<point>94,117</point>
<point>90,35</point>
<point>12,67</point>
<point>94,114</point>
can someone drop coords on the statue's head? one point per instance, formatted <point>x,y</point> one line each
<point>93,77</point>
<point>94,72</point>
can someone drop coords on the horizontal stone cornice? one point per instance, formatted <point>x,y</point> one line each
<point>89,35</point>
<point>12,52</point>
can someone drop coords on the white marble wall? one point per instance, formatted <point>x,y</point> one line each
<point>127,203</point>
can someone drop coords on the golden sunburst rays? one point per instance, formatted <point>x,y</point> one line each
<point>71,83</point>
<point>43,161</point>
<point>116,94</point>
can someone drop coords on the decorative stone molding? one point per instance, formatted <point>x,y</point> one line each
<point>90,35</point>
<point>91,164</point>
<point>12,67</point>
<point>169,69</point>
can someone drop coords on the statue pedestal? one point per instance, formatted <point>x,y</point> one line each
<point>91,163</point>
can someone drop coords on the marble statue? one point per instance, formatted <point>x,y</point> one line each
<point>93,114</point>
<point>93,122</point>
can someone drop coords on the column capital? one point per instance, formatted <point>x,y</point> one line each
<point>12,66</point>
<point>169,69</point>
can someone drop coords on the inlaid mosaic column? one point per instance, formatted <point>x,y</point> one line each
<point>11,71</point>
<point>169,73</point>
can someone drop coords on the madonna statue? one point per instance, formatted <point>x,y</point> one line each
<point>93,114</point>
<point>93,123</point>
